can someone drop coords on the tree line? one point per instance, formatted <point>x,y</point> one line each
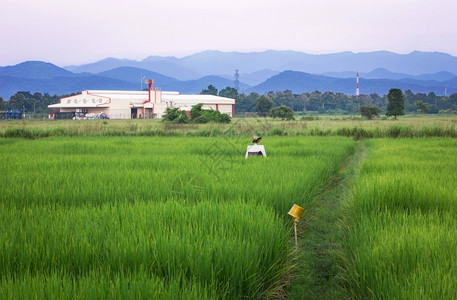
<point>26,102</point>
<point>316,102</point>
<point>337,103</point>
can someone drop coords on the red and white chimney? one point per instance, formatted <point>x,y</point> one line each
<point>150,83</point>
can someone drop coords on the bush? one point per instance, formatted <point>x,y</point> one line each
<point>196,111</point>
<point>283,112</point>
<point>201,120</point>
<point>369,111</point>
<point>205,116</point>
<point>224,118</point>
<point>171,114</point>
<point>183,119</point>
<point>197,116</point>
<point>397,131</point>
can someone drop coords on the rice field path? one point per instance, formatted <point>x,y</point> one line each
<point>320,237</point>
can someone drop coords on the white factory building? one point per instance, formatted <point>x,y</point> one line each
<point>137,104</point>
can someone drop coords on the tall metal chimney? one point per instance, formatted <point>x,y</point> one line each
<point>150,83</point>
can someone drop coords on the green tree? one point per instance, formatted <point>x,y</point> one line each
<point>2,104</point>
<point>409,100</point>
<point>314,101</point>
<point>377,100</point>
<point>263,105</point>
<point>283,98</point>
<point>246,103</point>
<point>453,102</point>
<point>211,90</point>
<point>369,111</point>
<point>19,101</point>
<point>229,92</point>
<point>396,103</point>
<point>422,107</point>
<point>283,112</point>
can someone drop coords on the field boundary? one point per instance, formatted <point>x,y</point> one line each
<point>320,237</point>
<point>356,132</point>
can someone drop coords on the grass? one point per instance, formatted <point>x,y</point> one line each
<point>321,244</point>
<point>401,223</point>
<point>145,169</point>
<point>154,217</point>
<point>101,286</point>
<point>385,230</point>
<point>354,126</point>
<point>139,209</point>
<point>203,244</point>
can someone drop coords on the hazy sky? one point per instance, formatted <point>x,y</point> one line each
<point>82,31</point>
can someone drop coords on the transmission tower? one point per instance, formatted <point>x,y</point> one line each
<point>237,80</point>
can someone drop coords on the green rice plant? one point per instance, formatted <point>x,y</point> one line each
<point>401,222</point>
<point>102,285</point>
<point>94,171</point>
<point>404,256</point>
<point>239,245</point>
<point>119,215</point>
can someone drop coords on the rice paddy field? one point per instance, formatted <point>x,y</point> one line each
<point>87,212</point>
<point>402,221</point>
<point>161,217</point>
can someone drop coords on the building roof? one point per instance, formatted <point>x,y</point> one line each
<point>167,96</point>
<point>78,105</point>
<point>103,98</point>
<point>132,95</point>
<point>193,99</point>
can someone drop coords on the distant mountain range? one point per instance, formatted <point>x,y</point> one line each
<point>259,72</point>
<point>56,80</point>
<point>299,82</point>
<point>225,63</point>
<point>382,73</point>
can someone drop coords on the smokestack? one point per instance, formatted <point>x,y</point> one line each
<point>150,83</point>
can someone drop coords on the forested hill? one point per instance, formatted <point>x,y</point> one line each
<point>43,77</point>
<point>225,63</point>
<point>299,82</point>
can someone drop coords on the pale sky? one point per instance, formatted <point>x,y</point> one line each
<point>82,31</point>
